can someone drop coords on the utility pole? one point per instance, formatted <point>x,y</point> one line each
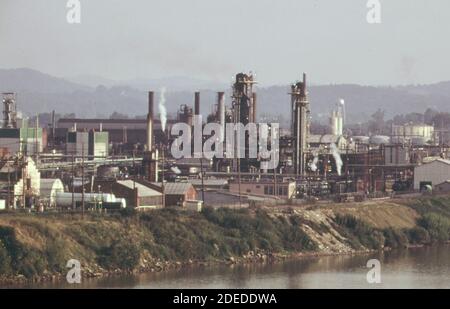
<point>275,182</point>
<point>162,184</point>
<point>82,180</point>
<point>73,182</point>
<point>134,170</point>
<point>239,181</point>
<point>203,185</point>
<point>23,183</point>
<point>36,144</point>
<point>9,188</point>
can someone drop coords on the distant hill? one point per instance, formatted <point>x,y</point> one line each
<point>175,83</point>
<point>39,92</point>
<point>27,80</point>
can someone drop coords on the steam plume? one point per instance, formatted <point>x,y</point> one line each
<point>313,164</point>
<point>337,158</point>
<point>162,109</point>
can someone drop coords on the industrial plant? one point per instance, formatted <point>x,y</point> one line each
<point>80,164</point>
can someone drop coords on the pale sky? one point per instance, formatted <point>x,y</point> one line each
<point>214,39</point>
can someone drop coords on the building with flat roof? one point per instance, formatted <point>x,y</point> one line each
<point>284,189</point>
<point>127,131</point>
<point>138,195</point>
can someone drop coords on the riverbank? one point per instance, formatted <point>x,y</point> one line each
<point>37,247</point>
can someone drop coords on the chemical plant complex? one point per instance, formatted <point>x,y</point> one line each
<point>78,164</point>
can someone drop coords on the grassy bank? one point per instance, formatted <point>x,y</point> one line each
<point>39,246</point>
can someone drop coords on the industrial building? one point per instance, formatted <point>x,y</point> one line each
<point>15,140</point>
<point>138,195</point>
<point>417,134</point>
<point>127,162</point>
<point>123,134</point>
<point>19,183</point>
<point>431,174</point>
<point>176,193</point>
<point>284,188</point>
<point>90,144</point>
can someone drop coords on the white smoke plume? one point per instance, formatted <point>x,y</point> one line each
<point>176,170</point>
<point>337,158</point>
<point>162,108</point>
<point>313,164</point>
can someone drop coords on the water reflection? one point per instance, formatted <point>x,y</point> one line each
<point>427,267</point>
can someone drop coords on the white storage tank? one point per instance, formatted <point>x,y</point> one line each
<point>361,139</point>
<point>64,199</point>
<point>379,139</point>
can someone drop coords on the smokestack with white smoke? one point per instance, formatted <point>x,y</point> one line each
<point>337,158</point>
<point>162,109</point>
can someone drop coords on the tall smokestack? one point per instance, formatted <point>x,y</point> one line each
<point>150,121</point>
<point>254,107</point>
<point>221,109</point>
<point>304,84</point>
<point>197,104</point>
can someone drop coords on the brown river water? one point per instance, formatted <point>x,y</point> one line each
<point>427,267</point>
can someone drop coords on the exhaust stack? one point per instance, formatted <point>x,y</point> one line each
<point>254,107</point>
<point>221,111</point>
<point>197,104</point>
<point>150,121</point>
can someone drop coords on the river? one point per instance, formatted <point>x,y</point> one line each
<point>427,267</point>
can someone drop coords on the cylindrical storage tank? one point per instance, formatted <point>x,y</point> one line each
<point>418,141</point>
<point>379,139</point>
<point>361,139</point>
<point>64,199</point>
<point>340,126</point>
<point>334,124</point>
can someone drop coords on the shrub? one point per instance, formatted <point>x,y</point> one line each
<point>359,233</point>
<point>31,263</point>
<point>418,235</point>
<point>5,261</point>
<point>56,254</point>
<point>437,226</point>
<point>395,238</point>
<point>122,254</point>
<point>128,212</point>
<point>24,260</point>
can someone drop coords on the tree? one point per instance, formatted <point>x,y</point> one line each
<point>117,115</point>
<point>376,123</point>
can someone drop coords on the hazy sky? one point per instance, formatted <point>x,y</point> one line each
<point>213,39</point>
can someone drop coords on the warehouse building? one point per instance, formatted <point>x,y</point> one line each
<point>431,174</point>
<point>126,131</point>
<point>138,195</point>
<point>177,193</point>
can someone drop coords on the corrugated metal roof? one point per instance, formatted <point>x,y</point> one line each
<point>209,182</point>
<point>438,160</point>
<point>175,188</point>
<point>142,189</point>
